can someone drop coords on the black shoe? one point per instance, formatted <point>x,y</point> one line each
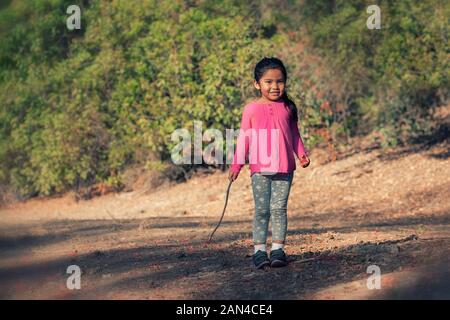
<point>260,259</point>
<point>278,258</point>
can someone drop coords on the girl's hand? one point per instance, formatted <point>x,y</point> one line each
<point>232,175</point>
<point>304,161</point>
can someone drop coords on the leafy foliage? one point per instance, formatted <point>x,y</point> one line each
<point>78,107</point>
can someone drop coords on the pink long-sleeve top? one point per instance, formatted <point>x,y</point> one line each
<point>267,127</point>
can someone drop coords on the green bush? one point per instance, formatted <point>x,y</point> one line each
<point>78,107</point>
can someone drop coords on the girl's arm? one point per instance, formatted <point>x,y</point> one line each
<point>297,144</point>
<point>242,145</point>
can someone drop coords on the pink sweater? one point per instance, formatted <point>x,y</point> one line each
<point>266,127</point>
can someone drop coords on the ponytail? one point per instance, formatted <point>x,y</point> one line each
<point>291,106</point>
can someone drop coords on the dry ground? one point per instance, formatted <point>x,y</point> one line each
<point>371,207</point>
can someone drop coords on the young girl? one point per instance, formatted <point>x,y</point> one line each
<point>269,122</point>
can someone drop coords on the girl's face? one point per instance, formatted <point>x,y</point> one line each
<point>271,85</point>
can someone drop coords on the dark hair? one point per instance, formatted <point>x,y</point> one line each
<point>274,63</point>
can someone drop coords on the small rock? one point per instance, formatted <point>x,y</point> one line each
<point>412,237</point>
<point>250,275</point>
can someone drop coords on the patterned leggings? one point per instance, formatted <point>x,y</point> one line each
<point>271,193</point>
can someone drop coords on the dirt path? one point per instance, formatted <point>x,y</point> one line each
<point>368,208</point>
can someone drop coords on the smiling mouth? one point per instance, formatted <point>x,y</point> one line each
<point>275,92</point>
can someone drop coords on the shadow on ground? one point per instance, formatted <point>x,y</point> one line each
<point>195,270</point>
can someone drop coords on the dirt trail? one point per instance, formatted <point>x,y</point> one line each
<point>389,209</point>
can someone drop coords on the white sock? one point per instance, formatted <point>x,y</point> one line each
<point>261,247</point>
<point>276,246</point>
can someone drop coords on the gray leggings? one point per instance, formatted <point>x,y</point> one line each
<point>271,193</point>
